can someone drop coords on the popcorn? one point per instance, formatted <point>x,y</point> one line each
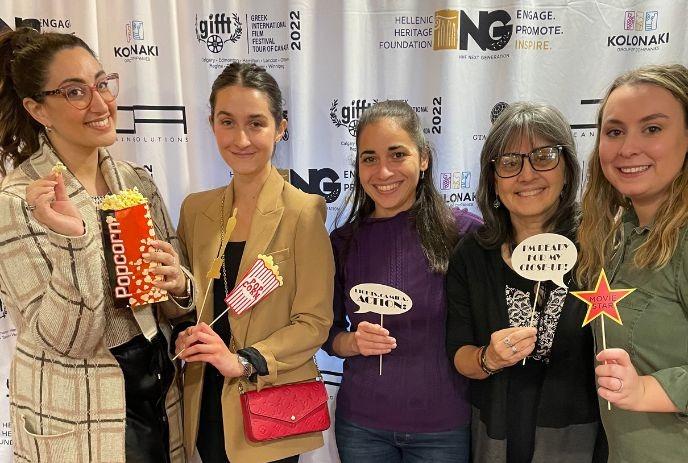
<point>58,169</point>
<point>123,199</point>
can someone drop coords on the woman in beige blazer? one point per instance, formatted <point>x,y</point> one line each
<point>275,341</point>
<point>89,382</point>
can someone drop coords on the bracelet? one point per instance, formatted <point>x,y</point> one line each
<point>249,369</point>
<point>483,364</point>
<point>184,299</point>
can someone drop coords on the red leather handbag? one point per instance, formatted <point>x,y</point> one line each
<point>286,410</point>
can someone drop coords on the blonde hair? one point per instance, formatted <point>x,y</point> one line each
<point>603,206</point>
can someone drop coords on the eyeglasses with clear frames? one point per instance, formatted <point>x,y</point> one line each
<point>541,159</point>
<point>80,95</point>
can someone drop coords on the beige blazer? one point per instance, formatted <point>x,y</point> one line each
<point>287,327</point>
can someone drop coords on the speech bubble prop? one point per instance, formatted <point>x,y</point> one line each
<point>547,256</point>
<point>380,299</point>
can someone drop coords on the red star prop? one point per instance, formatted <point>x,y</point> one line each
<point>603,300</point>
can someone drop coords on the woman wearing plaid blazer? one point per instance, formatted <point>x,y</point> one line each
<point>89,382</point>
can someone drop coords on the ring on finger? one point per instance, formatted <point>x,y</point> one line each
<point>620,385</point>
<point>31,207</point>
<point>507,341</point>
<point>514,349</point>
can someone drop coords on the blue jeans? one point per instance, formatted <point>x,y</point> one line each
<point>357,444</point>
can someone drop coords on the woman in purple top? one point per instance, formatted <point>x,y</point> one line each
<point>400,399</point>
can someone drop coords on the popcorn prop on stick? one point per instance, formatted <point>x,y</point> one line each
<point>216,266</point>
<point>127,229</point>
<point>262,278</point>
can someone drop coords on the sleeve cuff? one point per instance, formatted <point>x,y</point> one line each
<point>257,360</point>
<point>674,381</point>
<point>186,303</point>
<point>64,241</point>
<point>271,364</point>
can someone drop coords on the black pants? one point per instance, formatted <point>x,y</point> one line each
<point>148,374</point>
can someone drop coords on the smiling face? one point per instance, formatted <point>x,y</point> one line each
<point>531,197</point>
<point>245,130</point>
<point>389,166</point>
<point>642,144</point>
<point>72,129</point>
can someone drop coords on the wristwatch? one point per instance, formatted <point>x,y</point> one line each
<point>248,366</point>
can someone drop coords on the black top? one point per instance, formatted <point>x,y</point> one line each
<point>525,381</point>
<point>211,439</point>
<point>477,307</point>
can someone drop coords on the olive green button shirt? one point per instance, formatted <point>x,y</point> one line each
<point>655,334</point>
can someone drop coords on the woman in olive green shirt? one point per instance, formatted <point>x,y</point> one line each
<point>635,211</point>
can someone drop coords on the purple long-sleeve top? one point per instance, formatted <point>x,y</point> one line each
<point>419,389</point>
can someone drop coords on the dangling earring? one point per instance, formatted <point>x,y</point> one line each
<point>563,189</point>
<point>496,203</point>
<point>422,174</point>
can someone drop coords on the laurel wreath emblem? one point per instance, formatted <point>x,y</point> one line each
<point>237,29</point>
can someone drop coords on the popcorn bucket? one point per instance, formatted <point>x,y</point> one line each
<point>126,233</point>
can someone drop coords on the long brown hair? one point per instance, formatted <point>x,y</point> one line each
<point>604,206</point>
<point>25,55</point>
<point>432,217</point>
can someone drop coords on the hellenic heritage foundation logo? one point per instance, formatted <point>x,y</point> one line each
<point>212,31</point>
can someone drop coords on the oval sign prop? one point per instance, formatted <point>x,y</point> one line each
<point>547,256</point>
<point>380,299</point>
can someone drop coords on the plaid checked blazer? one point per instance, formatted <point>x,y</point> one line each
<point>67,401</point>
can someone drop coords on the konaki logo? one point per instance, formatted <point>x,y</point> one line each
<point>637,24</point>
<point>455,180</point>
<point>453,27</point>
<point>136,51</point>
<point>217,30</point>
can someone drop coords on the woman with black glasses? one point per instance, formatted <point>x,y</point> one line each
<point>545,409</point>
<point>89,381</point>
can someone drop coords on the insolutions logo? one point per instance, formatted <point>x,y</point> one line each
<point>217,30</point>
<point>152,124</point>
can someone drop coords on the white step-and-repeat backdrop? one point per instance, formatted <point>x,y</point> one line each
<point>458,63</point>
